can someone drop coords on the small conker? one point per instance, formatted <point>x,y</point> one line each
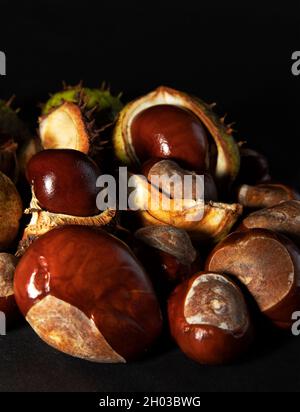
<point>83,292</point>
<point>64,181</point>
<point>265,195</point>
<point>283,218</point>
<point>170,132</point>
<point>209,318</point>
<point>168,255</point>
<point>268,264</point>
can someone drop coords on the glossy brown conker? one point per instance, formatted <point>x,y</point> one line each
<point>83,292</point>
<point>209,318</point>
<point>170,132</point>
<point>268,264</point>
<point>64,181</point>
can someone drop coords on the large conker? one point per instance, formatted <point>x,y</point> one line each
<point>84,293</point>
<point>170,132</point>
<point>64,181</point>
<point>268,264</point>
<point>209,318</point>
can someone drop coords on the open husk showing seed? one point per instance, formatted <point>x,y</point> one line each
<point>228,159</point>
<point>75,117</point>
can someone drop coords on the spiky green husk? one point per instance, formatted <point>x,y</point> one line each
<point>10,123</point>
<point>100,98</point>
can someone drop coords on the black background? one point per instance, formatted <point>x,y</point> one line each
<point>238,55</point>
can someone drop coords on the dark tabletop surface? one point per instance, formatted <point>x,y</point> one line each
<point>27,364</point>
<point>236,54</point>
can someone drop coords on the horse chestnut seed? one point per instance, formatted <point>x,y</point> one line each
<point>209,318</point>
<point>170,132</point>
<point>64,181</point>
<point>268,264</point>
<point>84,293</point>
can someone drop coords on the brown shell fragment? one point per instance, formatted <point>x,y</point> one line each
<point>69,330</point>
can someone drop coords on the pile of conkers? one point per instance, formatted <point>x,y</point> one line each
<point>102,284</point>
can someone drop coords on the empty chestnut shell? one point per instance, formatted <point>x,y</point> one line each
<point>268,264</point>
<point>64,181</point>
<point>209,318</point>
<point>8,304</point>
<point>84,293</point>
<point>167,131</point>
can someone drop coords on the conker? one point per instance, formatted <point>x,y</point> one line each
<point>64,181</point>
<point>268,264</point>
<point>8,304</point>
<point>170,132</point>
<point>11,211</point>
<point>283,218</point>
<point>265,195</point>
<point>209,318</point>
<point>84,293</point>
<point>168,255</point>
